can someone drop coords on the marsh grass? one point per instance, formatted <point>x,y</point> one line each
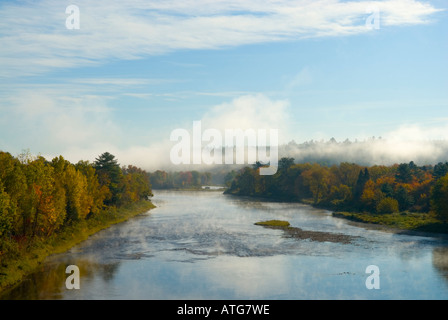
<point>273,223</point>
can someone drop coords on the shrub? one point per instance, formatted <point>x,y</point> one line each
<point>387,205</point>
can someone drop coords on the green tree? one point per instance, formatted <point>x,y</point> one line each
<point>136,184</point>
<point>110,175</point>
<point>95,191</point>
<point>363,177</point>
<point>285,163</point>
<point>40,216</point>
<point>206,178</point>
<point>229,177</point>
<point>6,214</point>
<point>440,170</point>
<point>78,201</point>
<point>317,178</point>
<point>246,181</point>
<point>404,198</point>
<point>15,185</point>
<point>387,205</point>
<point>439,198</point>
<point>404,173</point>
<point>340,194</point>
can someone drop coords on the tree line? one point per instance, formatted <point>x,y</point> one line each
<point>161,179</point>
<point>380,189</point>
<point>39,197</point>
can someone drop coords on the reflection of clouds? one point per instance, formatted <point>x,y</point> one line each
<point>205,246</point>
<point>254,278</point>
<point>49,281</point>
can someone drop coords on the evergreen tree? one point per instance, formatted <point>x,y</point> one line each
<point>363,177</point>
<point>110,175</point>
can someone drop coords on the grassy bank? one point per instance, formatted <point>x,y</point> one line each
<point>419,222</point>
<point>273,223</point>
<point>409,221</point>
<point>22,259</point>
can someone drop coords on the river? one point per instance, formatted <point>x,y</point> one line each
<point>204,245</point>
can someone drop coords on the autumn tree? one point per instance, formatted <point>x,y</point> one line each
<point>340,194</point>
<point>370,195</point>
<point>346,173</point>
<point>158,179</point>
<point>6,214</point>
<point>136,184</point>
<point>40,216</point>
<point>73,185</point>
<point>317,178</point>
<point>439,198</point>
<point>15,185</point>
<point>95,191</point>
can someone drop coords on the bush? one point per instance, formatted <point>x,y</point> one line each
<point>387,205</point>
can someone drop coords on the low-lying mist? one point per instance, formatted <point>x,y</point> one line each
<point>374,151</point>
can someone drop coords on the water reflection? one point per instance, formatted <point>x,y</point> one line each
<point>440,261</point>
<point>204,245</point>
<point>49,281</point>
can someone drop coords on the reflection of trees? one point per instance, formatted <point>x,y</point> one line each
<point>108,271</point>
<point>440,261</point>
<point>49,281</point>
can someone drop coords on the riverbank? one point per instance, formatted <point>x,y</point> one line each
<point>25,260</point>
<point>200,188</point>
<point>412,223</point>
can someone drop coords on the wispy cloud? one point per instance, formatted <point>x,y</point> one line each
<point>35,40</point>
<point>119,81</point>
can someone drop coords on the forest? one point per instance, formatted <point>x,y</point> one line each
<point>377,189</point>
<point>161,179</point>
<point>39,197</point>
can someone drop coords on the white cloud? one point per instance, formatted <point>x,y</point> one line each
<point>255,112</point>
<point>34,37</point>
<point>414,132</point>
<point>54,119</point>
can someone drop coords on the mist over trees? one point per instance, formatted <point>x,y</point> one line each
<point>369,152</point>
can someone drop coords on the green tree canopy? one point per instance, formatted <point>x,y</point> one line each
<point>439,198</point>
<point>110,175</point>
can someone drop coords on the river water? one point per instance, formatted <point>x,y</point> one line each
<point>204,245</point>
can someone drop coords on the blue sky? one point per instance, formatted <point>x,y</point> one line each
<point>136,70</point>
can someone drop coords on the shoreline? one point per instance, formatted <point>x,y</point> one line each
<point>353,220</point>
<point>16,270</point>
<point>361,220</point>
